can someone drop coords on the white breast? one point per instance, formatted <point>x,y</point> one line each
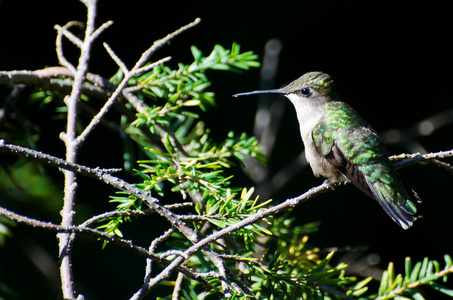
<point>309,114</point>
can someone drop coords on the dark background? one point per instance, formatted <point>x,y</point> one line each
<point>392,63</point>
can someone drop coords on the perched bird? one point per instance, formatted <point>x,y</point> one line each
<point>341,146</point>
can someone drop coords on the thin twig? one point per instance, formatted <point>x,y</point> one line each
<point>132,213</point>
<point>177,288</point>
<point>63,31</point>
<point>100,29</point>
<point>81,138</point>
<point>152,248</point>
<point>97,173</point>
<point>116,59</point>
<point>113,239</point>
<point>220,265</point>
<point>409,159</point>
<point>442,165</point>
<point>159,43</point>
<point>44,79</point>
<point>137,103</point>
<point>69,35</point>
<point>138,68</point>
<point>69,137</point>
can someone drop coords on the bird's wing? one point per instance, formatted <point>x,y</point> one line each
<point>352,147</point>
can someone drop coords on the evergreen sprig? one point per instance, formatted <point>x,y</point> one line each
<point>186,86</point>
<point>182,156</point>
<point>427,272</point>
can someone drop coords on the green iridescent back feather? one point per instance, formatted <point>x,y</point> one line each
<point>343,128</point>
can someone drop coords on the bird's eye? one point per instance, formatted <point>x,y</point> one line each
<point>305,92</point>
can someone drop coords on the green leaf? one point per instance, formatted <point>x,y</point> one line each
<point>118,232</point>
<point>441,288</point>
<point>218,223</point>
<point>361,284</point>
<point>384,286</point>
<point>448,260</point>
<point>197,54</point>
<point>407,268</point>
<point>359,292</point>
<point>322,264</point>
<point>415,272</point>
<point>192,103</point>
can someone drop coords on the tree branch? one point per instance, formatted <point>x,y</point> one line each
<point>158,44</point>
<point>69,137</point>
<point>109,103</point>
<point>118,183</point>
<point>190,234</point>
<point>127,244</point>
<point>404,160</point>
<point>249,220</point>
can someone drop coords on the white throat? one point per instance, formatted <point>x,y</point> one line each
<point>308,113</point>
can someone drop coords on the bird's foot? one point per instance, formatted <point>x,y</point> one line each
<point>330,184</point>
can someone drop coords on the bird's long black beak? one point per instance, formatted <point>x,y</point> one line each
<point>276,91</point>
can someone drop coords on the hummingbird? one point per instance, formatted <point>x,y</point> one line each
<point>341,146</point>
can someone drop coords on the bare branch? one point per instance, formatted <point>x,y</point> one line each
<point>133,213</point>
<point>69,35</point>
<point>137,103</point>
<point>177,288</point>
<point>69,137</point>
<point>117,60</point>
<point>100,29</point>
<point>108,104</point>
<point>218,262</point>
<point>442,165</point>
<point>113,239</point>
<point>116,182</point>
<point>91,172</point>
<point>121,86</point>
<point>128,74</point>
<point>409,159</point>
<point>159,43</point>
<point>63,31</point>
<point>143,69</point>
<point>152,248</point>
<point>249,220</point>
<point>52,79</point>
